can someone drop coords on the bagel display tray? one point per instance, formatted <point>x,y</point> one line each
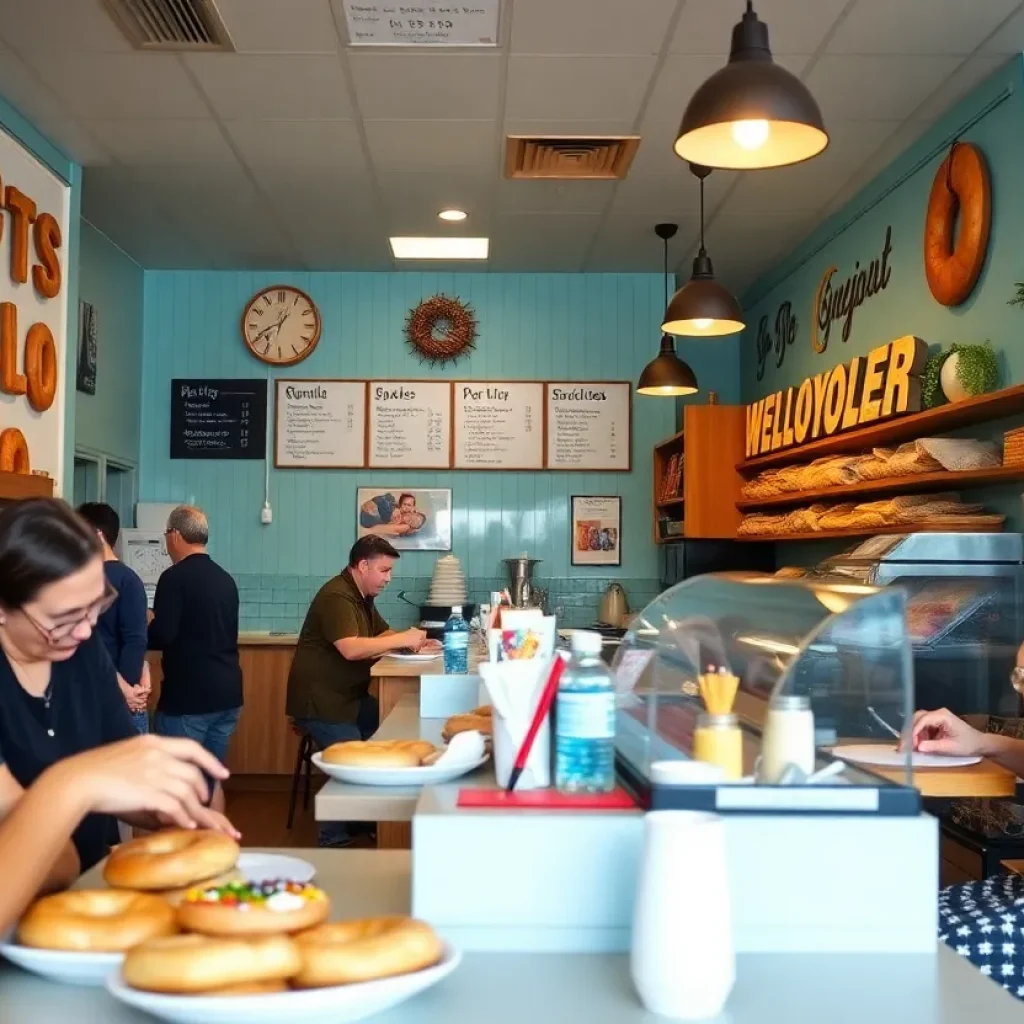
<point>69,968</point>
<point>422,775</point>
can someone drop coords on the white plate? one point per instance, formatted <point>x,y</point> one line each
<point>889,757</point>
<point>428,775</point>
<point>312,1006</point>
<point>431,656</point>
<point>59,965</point>
<point>259,867</point>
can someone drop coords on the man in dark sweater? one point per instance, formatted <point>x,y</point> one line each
<point>195,625</point>
<point>122,627</point>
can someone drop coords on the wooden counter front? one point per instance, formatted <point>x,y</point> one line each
<point>393,678</point>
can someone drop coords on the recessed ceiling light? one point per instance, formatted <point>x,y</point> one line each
<point>452,215</point>
<point>440,248</point>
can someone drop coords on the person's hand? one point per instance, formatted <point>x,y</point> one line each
<point>134,700</point>
<point>207,818</point>
<point>145,687</point>
<point>430,646</point>
<point>941,732</point>
<point>147,773</point>
<point>414,638</point>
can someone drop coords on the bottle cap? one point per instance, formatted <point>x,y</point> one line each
<point>585,641</point>
<point>456,609</point>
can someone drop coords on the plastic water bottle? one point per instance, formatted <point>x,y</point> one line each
<point>456,644</point>
<point>585,720</point>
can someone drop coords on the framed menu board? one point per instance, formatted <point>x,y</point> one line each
<point>589,425</point>
<point>214,418</point>
<point>320,424</point>
<point>499,424</point>
<point>410,424</point>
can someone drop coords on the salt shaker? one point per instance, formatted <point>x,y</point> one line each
<point>788,737</point>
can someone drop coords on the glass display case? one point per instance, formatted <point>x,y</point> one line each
<point>748,692</point>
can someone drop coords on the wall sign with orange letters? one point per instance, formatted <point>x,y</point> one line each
<point>883,384</point>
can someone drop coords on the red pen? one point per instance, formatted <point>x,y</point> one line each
<point>539,717</point>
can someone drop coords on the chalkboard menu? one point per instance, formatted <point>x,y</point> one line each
<point>218,419</point>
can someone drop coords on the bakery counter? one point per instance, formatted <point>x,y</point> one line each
<point>551,988</point>
<point>395,678</point>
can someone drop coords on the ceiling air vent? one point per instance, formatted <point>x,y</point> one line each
<point>570,157</point>
<point>171,24</point>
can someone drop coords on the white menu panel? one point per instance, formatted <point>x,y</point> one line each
<point>410,424</point>
<point>320,424</point>
<point>589,425</point>
<point>499,424</point>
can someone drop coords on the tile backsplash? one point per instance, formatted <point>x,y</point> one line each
<point>278,603</point>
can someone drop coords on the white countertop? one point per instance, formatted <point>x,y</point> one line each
<point>503,988</point>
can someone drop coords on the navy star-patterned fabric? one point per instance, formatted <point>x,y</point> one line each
<point>984,922</point>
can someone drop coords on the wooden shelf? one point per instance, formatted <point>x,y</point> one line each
<point>671,503</point>
<point>675,441</point>
<point>871,531</point>
<point>994,406</point>
<point>890,485</point>
<point>15,486</point>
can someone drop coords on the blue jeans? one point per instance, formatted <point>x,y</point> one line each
<point>212,731</point>
<point>336,833</point>
<point>140,719</point>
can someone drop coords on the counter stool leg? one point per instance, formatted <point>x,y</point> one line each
<point>309,775</point>
<point>301,761</point>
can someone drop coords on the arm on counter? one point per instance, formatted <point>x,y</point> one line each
<point>360,648</point>
<point>163,626</point>
<point>941,732</point>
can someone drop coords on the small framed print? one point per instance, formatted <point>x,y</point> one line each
<point>596,530</point>
<point>411,518</point>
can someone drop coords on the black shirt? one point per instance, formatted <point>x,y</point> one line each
<point>195,624</point>
<point>122,627</point>
<point>86,710</point>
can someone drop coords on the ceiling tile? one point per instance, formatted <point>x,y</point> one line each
<point>427,85</point>
<point>253,86</point>
<point>568,126</point>
<point>923,26</point>
<point>628,243</point>
<point>163,141</point>
<point>517,196</point>
<point>1009,38</point>
<point>115,85</point>
<point>589,88</point>
<point>956,86</point>
<point>681,76</point>
<point>771,235</point>
<point>73,139</point>
<point>279,26</point>
<point>54,25</point>
<point>598,26</point>
<point>311,144</point>
<point>809,186</point>
<point>25,90</point>
<point>566,239</point>
<point>432,145</point>
<point>880,88</point>
<point>670,196</point>
<point>706,27</point>
<point>315,195</point>
<point>413,200</point>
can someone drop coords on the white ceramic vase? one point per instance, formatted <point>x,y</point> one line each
<point>950,382</point>
<point>683,963</point>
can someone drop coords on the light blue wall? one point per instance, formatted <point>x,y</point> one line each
<point>109,421</point>
<point>993,118</point>
<point>531,326</point>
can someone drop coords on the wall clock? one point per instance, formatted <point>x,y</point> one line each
<point>281,325</point>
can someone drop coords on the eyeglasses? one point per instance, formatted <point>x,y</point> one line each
<point>54,635</point>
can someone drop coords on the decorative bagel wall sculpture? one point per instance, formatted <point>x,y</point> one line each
<point>441,329</point>
<point>961,190</point>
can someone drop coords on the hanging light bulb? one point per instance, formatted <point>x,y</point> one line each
<point>752,113</point>
<point>666,374</point>
<point>702,307</point>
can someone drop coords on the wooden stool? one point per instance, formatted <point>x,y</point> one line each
<point>303,767</point>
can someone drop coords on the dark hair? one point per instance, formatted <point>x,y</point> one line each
<point>103,518</point>
<point>402,497</point>
<point>41,541</point>
<point>369,547</point>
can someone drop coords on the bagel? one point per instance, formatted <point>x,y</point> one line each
<point>253,908</point>
<point>378,753</point>
<point>178,895</point>
<point>195,964</point>
<point>14,452</point>
<point>346,952</point>
<point>170,859</point>
<point>95,921</point>
<point>467,723</point>
<point>961,190</point>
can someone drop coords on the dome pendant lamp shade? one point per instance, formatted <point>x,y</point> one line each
<point>702,307</point>
<point>752,113</point>
<point>666,374</point>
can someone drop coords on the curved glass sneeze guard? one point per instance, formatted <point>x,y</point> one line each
<point>841,645</point>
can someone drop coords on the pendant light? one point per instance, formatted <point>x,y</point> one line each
<point>666,374</point>
<point>752,113</point>
<point>702,307</point>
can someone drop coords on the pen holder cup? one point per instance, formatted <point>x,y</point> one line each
<point>507,741</point>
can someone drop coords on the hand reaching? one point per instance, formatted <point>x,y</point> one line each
<point>941,732</point>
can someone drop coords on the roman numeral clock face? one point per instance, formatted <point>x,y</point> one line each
<point>281,325</point>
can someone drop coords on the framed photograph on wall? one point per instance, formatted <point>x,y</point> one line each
<point>85,375</point>
<point>411,518</point>
<point>596,530</point>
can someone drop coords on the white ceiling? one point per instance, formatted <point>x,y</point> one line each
<point>298,151</point>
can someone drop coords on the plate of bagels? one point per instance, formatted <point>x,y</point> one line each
<point>184,936</point>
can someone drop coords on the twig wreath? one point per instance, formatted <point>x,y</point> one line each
<point>441,329</point>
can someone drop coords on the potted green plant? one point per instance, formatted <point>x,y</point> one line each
<point>962,371</point>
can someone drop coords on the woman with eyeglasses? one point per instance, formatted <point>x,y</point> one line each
<point>58,688</point>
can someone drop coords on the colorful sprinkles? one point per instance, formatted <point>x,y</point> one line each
<point>266,894</point>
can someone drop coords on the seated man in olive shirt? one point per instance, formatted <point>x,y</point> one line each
<point>341,637</point>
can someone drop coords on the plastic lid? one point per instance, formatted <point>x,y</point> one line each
<point>584,641</point>
<point>456,609</point>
